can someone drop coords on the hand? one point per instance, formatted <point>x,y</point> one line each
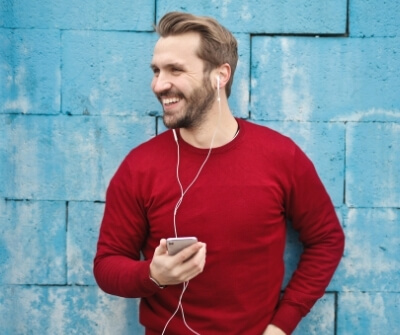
<point>179,268</point>
<point>273,330</point>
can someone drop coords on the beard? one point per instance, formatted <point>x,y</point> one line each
<point>197,105</point>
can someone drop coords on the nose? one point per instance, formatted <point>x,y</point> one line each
<point>160,83</point>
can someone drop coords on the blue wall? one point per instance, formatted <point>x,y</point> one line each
<point>75,97</point>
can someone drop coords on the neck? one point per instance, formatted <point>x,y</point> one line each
<point>221,122</point>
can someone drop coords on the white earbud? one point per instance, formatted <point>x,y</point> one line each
<point>218,97</point>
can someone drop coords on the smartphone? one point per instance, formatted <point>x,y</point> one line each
<point>176,244</point>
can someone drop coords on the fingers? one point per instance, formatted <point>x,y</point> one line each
<point>190,263</point>
<point>187,253</point>
<point>176,269</point>
<point>198,262</point>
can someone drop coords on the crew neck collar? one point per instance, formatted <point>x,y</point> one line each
<point>228,146</point>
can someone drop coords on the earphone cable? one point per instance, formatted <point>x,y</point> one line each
<point>183,192</point>
<point>179,202</point>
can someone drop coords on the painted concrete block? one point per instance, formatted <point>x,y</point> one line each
<point>325,79</point>
<point>84,220</point>
<point>32,242</point>
<point>368,313</point>
<point>374,18</point>
<point>52,310</point>
<point>107,73</point>
<point>373,164</point>
<point>240,93</point>
<point>321,319</point>
<point>260,16</point>
<point>30,71</point>
<point>64,157</point>
<point>75,14</point>
<point>324,144</point>
<point>371,257</point>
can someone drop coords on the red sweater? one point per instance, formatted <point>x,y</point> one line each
<point>238,206</point>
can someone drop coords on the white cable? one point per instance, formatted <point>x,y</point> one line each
<point>178,204</point>
<point>183,313</point>
<point>185,285</point>
<point>183,192</point>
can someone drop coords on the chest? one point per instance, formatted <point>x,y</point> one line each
<point>231,199</point>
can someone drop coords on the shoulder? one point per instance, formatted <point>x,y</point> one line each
<point>273,146</point>
<point>148,155</point>
<point>264,136</point>
<point>156,147</point>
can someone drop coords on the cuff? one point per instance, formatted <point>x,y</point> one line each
<point>287,317</point>
<point>148,287</point>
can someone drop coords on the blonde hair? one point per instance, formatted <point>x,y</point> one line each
<point>218,46</point>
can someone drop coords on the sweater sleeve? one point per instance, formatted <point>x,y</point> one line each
<point>118,268</point>
<point>312,214</point>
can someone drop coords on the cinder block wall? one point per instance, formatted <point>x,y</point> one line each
<point>75,98</point>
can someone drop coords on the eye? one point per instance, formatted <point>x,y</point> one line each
<point>156,71</point>
<point>176,70</point>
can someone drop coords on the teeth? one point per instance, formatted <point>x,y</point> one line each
<point>170,101</point>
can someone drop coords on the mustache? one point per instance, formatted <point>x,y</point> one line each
<point>170,93</point>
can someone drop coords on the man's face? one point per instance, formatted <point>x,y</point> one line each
<point>179,81</point>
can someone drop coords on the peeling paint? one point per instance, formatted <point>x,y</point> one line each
<point>21,101</point>
<point>368,115</point>
<point>296,97</point>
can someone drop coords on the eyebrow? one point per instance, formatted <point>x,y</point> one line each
<point>176,64</point>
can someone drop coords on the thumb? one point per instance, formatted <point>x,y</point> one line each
<point>162,248</point>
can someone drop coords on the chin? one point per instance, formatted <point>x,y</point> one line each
<point>170,123</point>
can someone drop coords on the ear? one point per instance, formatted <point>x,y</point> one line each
<point>222,75</point>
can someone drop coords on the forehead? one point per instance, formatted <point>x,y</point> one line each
<point>177,49</point>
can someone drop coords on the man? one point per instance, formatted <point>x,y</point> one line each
<point>228,182</point>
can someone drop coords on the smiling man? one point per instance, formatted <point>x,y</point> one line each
<point>187,100</point>
<point>229,183</point>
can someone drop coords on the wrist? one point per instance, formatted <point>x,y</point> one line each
<point>156,282</point>
<point>273,330</point>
